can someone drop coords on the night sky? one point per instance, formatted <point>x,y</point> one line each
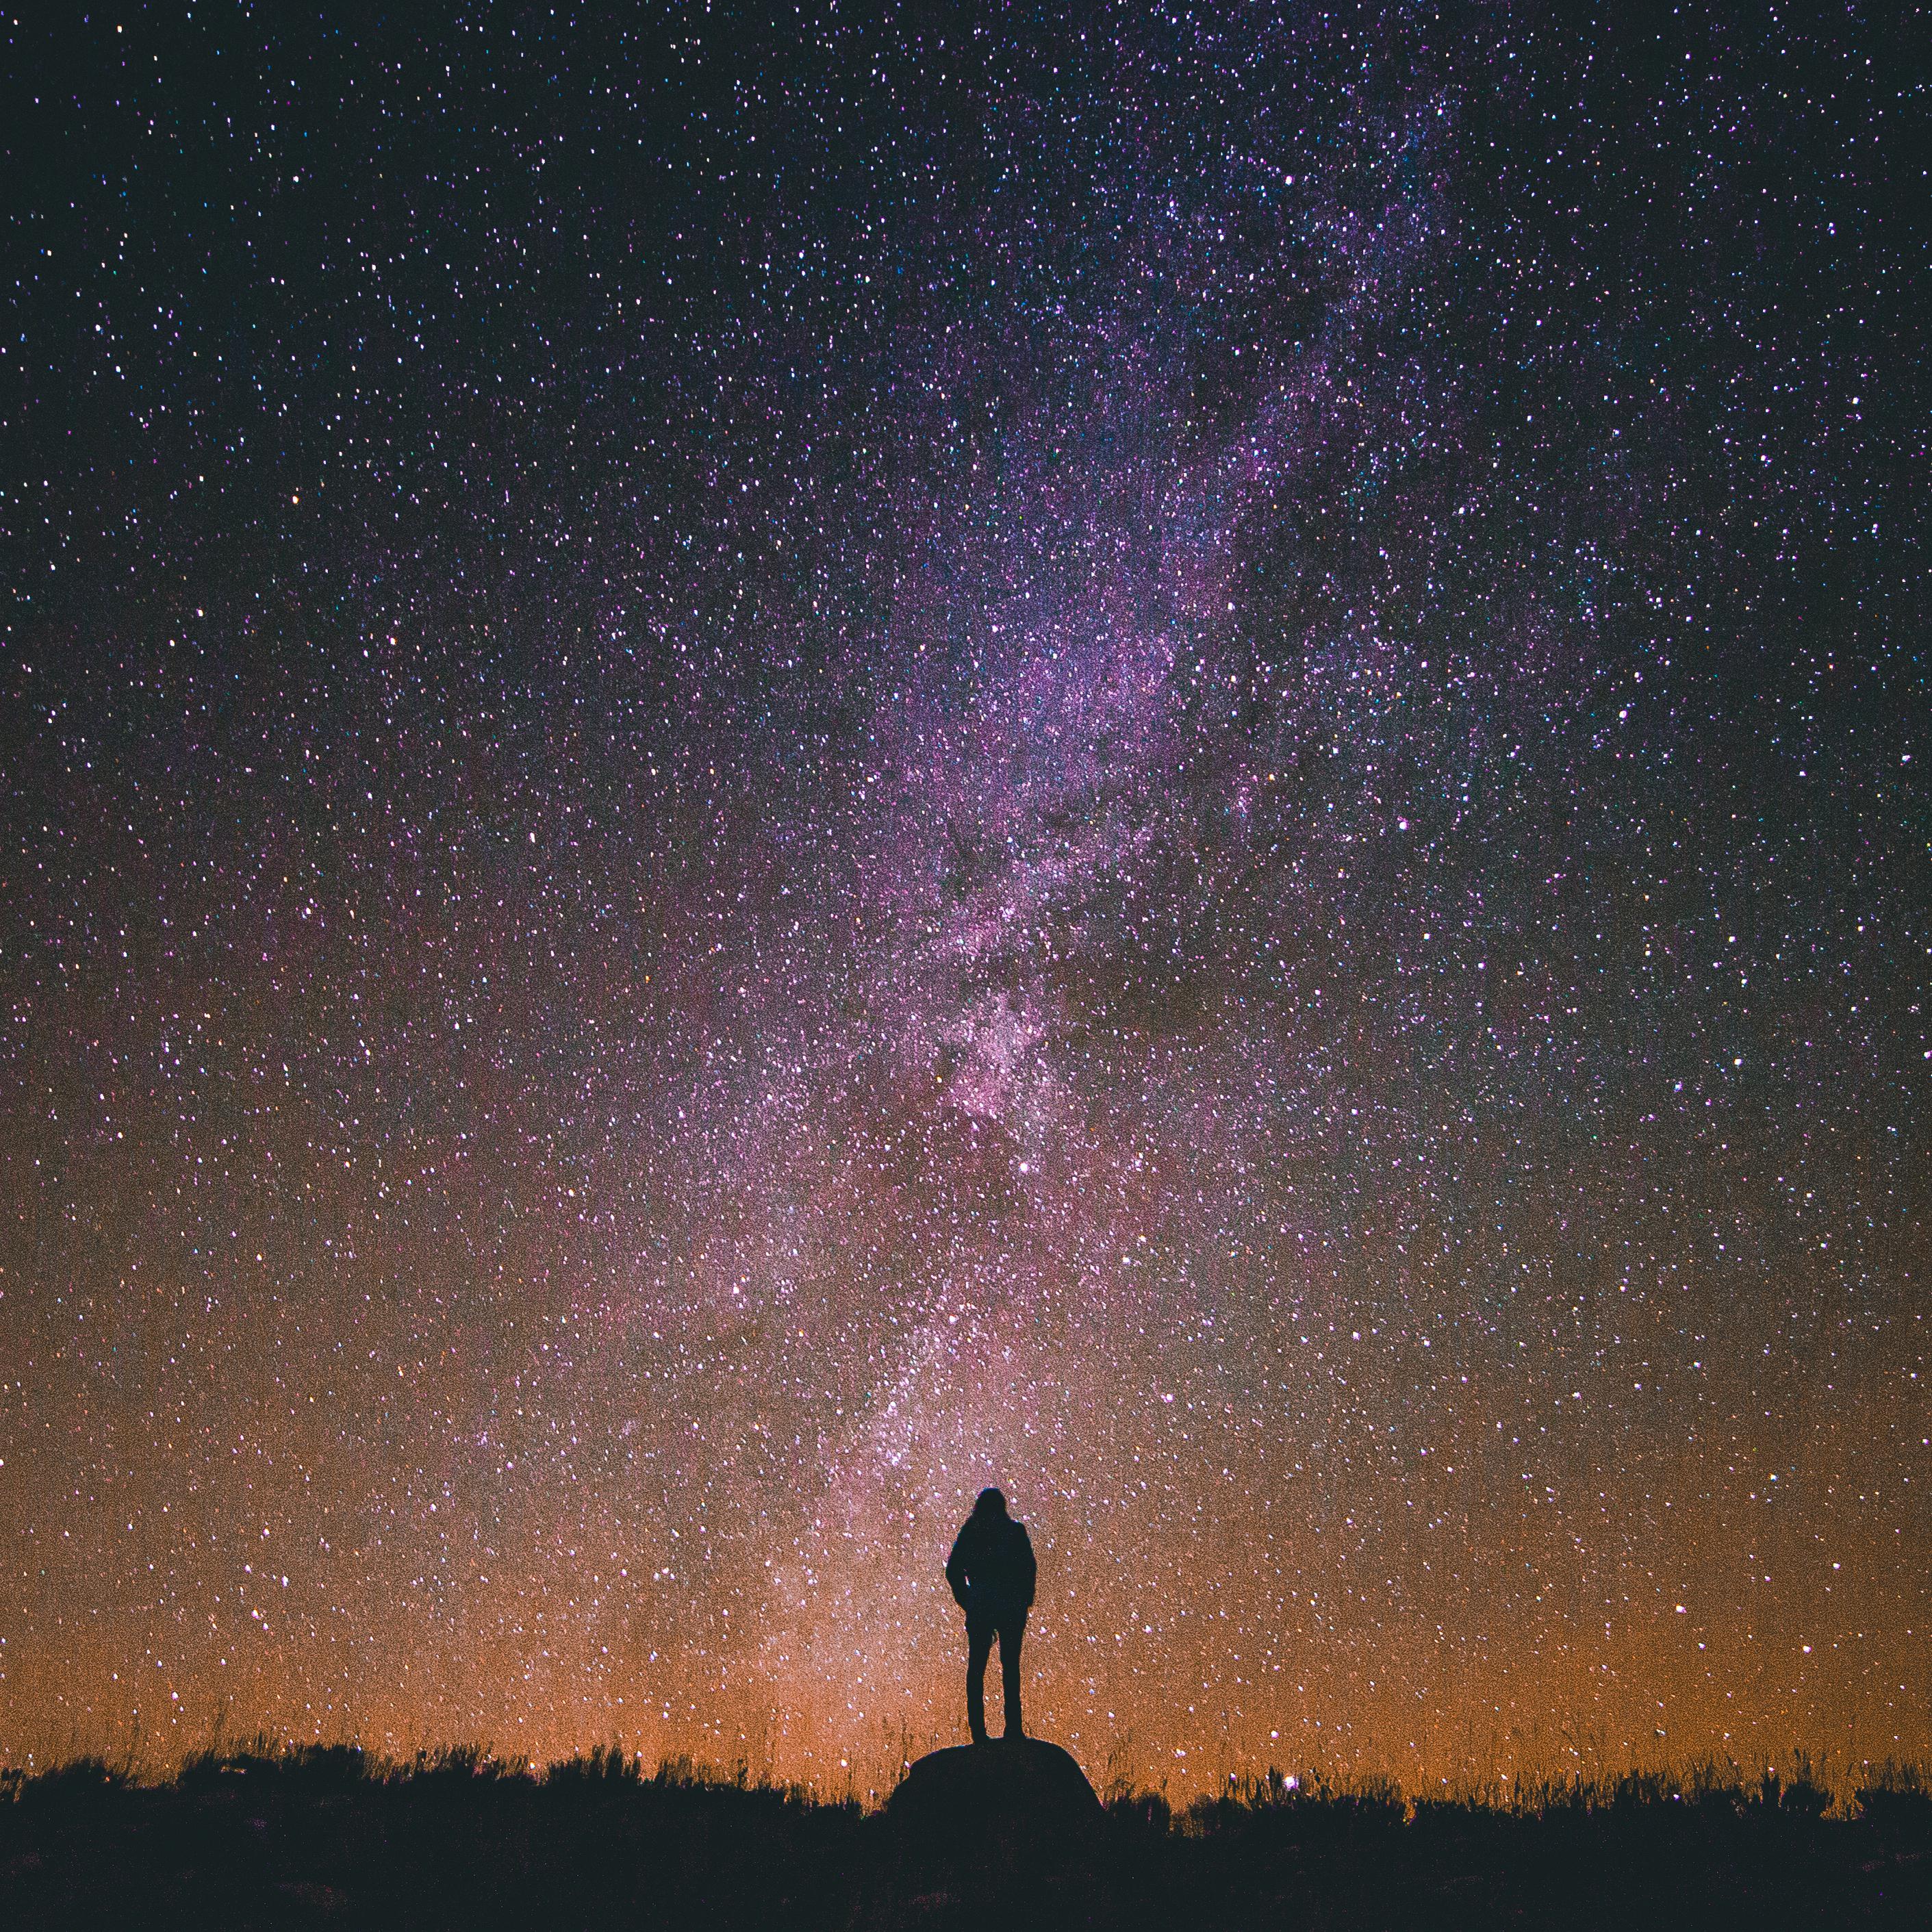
<point>749,772</point>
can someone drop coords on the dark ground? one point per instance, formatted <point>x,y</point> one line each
<point>318,1839</point>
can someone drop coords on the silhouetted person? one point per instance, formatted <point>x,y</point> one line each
<point>991,1573</point>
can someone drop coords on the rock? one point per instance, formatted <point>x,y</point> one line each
<point>1005,1831</point>
<point>1021,1788</point>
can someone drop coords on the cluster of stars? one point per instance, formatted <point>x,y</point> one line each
<point>749,777</point>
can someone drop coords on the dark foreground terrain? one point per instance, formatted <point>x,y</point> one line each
<point>319,1838</point>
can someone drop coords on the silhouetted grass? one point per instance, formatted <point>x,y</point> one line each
<point>312,1768</point>
<point>1700,1847</point>
<point>273,1834</point>
<point>1896,1800</point>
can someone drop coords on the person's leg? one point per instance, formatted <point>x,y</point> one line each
<point>1011,1632</point>
<point>979,1647</point>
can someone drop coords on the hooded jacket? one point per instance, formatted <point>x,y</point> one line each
<point>992,1567</point>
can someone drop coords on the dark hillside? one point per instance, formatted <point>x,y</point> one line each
<point>302,1838</point>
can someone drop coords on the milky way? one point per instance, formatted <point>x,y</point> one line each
<point>752,774</point>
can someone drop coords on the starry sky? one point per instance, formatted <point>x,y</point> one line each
<point>756,764</point>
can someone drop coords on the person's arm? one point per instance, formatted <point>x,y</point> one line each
<point>956,1569</point>
<point>1028,1570</point>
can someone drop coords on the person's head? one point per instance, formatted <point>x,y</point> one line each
<point>992,1502</point>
